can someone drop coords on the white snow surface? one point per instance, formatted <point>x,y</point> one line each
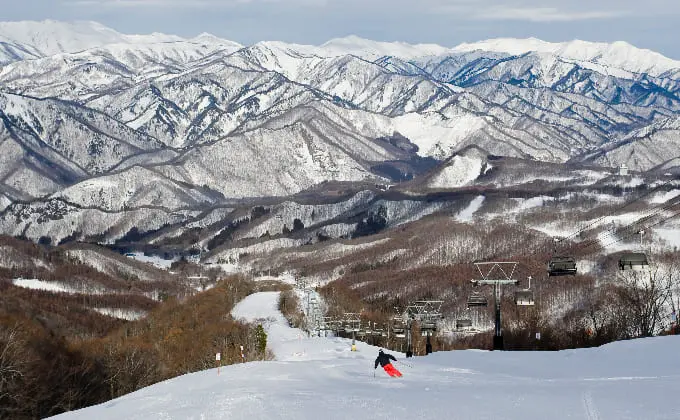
<point>461,171</point>
<point>670,235</point>
<point>58,287</point>
<point>120,313</point>
<point>321,378</point>
<point>467,213</point>
<point>153,260</point>
<point>48,286</point>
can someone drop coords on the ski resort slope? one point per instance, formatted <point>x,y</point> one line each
<point>320,378</point>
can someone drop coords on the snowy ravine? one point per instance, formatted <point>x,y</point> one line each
<point>316,378</point>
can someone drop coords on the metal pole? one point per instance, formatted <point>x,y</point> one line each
<point>409,350</point>
<point>498,334</point>
<point>354,345</point>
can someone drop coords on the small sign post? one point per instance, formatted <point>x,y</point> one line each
<point>538,336</point>
<point>674,322</point>
<point>218,362</point>
<point>243,358</point>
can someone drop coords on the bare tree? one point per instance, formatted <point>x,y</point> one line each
<point>645,298</point>
<point>13,366</point>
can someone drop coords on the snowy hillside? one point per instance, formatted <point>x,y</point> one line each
<point>321,377</point>
<point>654,147</point>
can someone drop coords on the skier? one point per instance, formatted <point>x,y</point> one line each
<point>384,360</point>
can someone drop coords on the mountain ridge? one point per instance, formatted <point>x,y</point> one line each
<point>213,122</point>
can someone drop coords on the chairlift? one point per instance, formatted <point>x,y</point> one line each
<point>524,298</point>
<point>477,300</point>
<point>426,326</point>
<point>561,266</point>
<point>463,323</point>
<point>398,326</point>
<point>633,261</point>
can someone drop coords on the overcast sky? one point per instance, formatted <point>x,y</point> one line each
<point>649,24</point>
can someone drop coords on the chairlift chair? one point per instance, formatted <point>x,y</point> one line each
<point>562,266</point>
<point>398,326</point>
<point>428,326</point>
<point>464,323</point>
<point>477,300</point>
<point>524,297</point>
<point>633,261</point>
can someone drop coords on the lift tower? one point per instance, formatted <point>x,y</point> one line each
<point>496,274</point>
<point>427,313</point>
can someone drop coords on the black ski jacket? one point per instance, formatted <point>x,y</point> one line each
<point>383,359</point>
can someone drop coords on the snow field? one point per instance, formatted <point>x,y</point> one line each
<point>321,378</point>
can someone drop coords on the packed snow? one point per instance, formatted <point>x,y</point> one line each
<point>58,287</point>
<point>120,313</point>
<point>466,214</point>
<point>319,377</point>
<point>48,286</point>
<point>670,235</point>
<point>461,171</point>
<point>154,260</point>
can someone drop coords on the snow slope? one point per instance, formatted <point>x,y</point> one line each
<point>321,378</point>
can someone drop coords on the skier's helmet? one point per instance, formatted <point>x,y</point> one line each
<point>380,351</point>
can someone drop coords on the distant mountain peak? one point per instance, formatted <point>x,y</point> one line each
<point>208,38</point>
<point>353,44</point>
<point>619,54</point>
<point>50,37</point>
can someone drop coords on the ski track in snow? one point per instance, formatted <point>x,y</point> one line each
<point>589,406</point>
<point>315,377</point>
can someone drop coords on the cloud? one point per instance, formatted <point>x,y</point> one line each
<point>183,4</point>
<point>552,10</point>
<point>546,14</point>
<point>543,12</point>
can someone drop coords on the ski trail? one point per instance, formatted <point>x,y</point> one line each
<point>589,406</point>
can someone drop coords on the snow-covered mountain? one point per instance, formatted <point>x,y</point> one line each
<point>616,56</point>
<point>84,108</point>
<point>51,37</point>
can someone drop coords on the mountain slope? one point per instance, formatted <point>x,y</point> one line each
<point>314,377</point>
